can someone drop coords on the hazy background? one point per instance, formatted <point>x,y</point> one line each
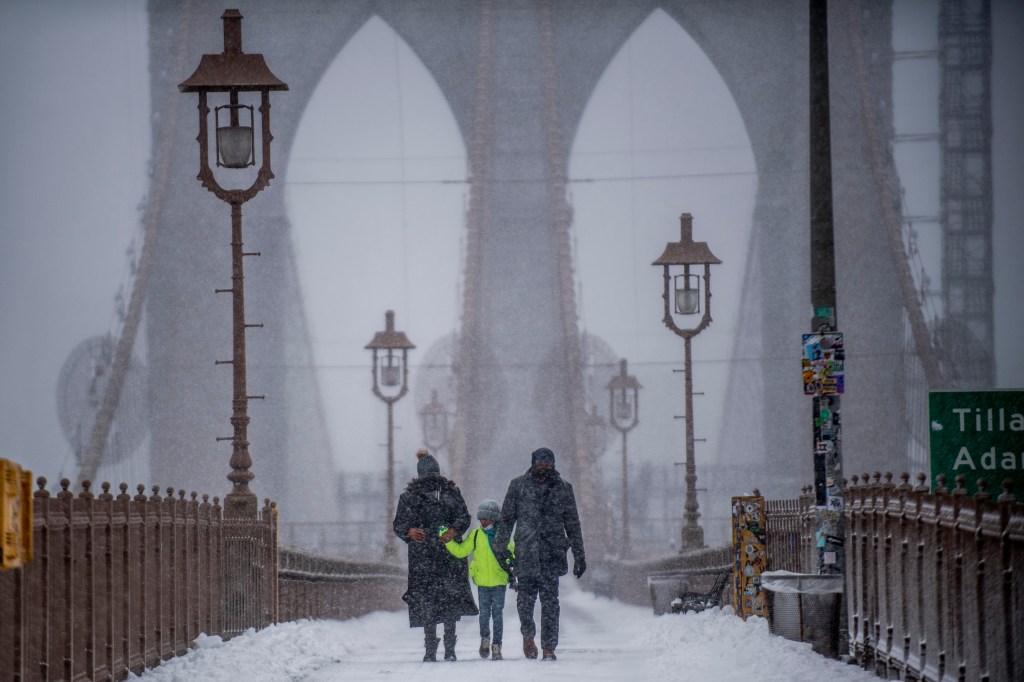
<point>376,193</point>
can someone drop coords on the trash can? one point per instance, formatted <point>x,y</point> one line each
<point>805,607</point>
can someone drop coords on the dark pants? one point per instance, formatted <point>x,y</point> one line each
<point>529,588</point>
<point>492,601</point>
<point>430,636</point>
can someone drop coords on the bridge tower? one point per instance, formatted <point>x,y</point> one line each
<point>518,76</point>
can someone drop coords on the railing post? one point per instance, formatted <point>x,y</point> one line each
<point>104,508</point>
<point>921,566</point>
<point>179,639</point>
<point>129,568</point>
<point>943,552</point>
<point>956,602</point>
<point>854,559</point>
<point>62,653</point>
<point>216,570</point>
<point>1011,550</point>
<point>154,575</point>
<point>191,568</point>
<point>205,601</point>
<point>901,639</point>
<point>37,630</point>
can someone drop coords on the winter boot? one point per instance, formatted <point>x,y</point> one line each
<point>449,641</point>
<point>495,652</point>
<point>529,648</point>
<point>549,655</point>
<point>485,647</point>
<point>431,653</point>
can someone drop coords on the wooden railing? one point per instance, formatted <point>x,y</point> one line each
<point>935,579</point>
<point>119,583</point>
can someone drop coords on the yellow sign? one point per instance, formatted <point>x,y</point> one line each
<point>15,515</point>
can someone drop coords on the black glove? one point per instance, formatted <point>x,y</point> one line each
<point>508,565</point>
<point>579,567</point>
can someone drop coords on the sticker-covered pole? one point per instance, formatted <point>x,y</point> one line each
<point>823,349</point>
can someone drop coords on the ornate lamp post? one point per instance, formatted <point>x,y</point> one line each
<point>687,253</point>
<point>390,383</point>
<point>624,414</point>
<point>434,418</point>
<point>231,78</point>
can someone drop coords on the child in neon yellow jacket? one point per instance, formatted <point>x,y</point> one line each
<point>489,577</point>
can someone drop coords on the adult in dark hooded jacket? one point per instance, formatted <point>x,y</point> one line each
<point>438,589</point>
<point>541,506</point>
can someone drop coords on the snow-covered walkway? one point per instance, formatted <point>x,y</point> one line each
<point>601,640</point>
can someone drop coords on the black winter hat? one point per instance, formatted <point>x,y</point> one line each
<point>426,464</point>
<point>542,455</point>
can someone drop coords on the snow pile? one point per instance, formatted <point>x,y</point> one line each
<point>287,651</point>
<point>716,645</point>
<point>601,641</point>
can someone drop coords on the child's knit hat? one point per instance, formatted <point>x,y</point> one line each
<point>489,509</point>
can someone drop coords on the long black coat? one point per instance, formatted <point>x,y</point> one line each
<point>438,582</point>
<point>546,524</point>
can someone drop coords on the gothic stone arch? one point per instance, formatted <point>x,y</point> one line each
<point>517,97</point>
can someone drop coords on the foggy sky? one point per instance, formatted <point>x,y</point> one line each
<point>74,126</point>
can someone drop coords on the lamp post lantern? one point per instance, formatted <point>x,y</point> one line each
<point>624,414</point>
<point>434,419</point>
<point>390,383</point>
<point>687,254</point>
<point>232,78</point>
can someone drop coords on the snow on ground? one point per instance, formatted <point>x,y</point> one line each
<point>601,640</point>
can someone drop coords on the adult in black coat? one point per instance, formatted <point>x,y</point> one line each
<point>541,506</point>
<point>438,589</point>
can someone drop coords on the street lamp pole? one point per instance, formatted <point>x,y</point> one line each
<point>624,415</point>
<point>227,76</point>
<point>391,371</point>
<point>687,253</point>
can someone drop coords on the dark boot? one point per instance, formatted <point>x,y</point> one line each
<point>449,641</point>
<point>485,647</point>
<point>529,648</point>
<point>430,642</point>
<point>549,655</point>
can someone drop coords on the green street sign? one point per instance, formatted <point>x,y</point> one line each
<point>977,434</point>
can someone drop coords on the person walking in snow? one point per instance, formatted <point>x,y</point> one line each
<point>490,578</point>
<point>431,511</point>
<point>541,507</point>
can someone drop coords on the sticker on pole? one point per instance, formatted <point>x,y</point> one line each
<point>822,364</point>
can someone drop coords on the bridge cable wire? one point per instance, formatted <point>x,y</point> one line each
<point>882,171</point>
<point>98,439</point>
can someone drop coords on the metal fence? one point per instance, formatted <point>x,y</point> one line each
<point>314,586</point>
<point>935,578</point>
<point>789,533</point>
<point>120,583</point>
<point>657,581</point>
